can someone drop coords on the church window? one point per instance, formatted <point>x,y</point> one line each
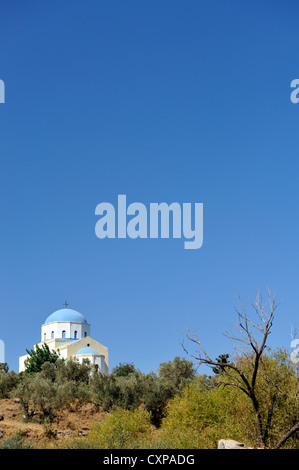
<point>85,334</point>
<point>45,336</point>
<point>52,334</point>
<point>75,334</point>
<point>63,333</point>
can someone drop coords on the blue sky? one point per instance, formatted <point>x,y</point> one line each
<point>162,101</point>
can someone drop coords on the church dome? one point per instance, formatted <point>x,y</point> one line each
<point>87,351</point>
<point>66,314</point>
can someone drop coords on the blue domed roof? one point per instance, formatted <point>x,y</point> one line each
<point>66,314</point>
<point>87,351</point>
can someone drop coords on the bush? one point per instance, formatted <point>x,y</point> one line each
<point>128,388</point>
<point>158,392</point>
<point>122,429</point>
<point>123,369</point>
<point>73,371</point>
<point>38,356</point>
<point>200,417</point>
<point>118,391</point>
<point>16,441</point>
<point>104,391</point>
<point>37,396</point>
<point>8,381</point>
<point>203,414</point>
<point>42,397</point>
<point>178,373</point>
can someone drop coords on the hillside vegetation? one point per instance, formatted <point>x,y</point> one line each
<point>251,397</point>
<point>71,405</point>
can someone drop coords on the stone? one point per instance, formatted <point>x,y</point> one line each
<point>231,444</point>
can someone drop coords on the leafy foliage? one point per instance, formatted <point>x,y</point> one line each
<point>57,386</point>
<point>38,356</point>
<point>172,409</point>
<point>15,441</point>
<point>203,414</point>
<point>123,369</point>
<point>128,388</point>
<point>122,429</point>
<point>222,360</point>
<point>4,367</point>
<point>8,381</point>
<point>178,372</point>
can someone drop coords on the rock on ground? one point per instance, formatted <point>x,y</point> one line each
<point>231,444</point>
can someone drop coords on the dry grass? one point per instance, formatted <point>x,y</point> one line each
<point>69,423</point>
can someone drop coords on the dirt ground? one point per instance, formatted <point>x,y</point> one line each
<point>70,423</point>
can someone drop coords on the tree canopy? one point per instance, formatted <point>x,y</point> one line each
<point>38,356</point>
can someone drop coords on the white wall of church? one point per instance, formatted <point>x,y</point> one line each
<point>63,354</point>
<point>22,360</point>
<point>98,360</point>
<point>67,330</point>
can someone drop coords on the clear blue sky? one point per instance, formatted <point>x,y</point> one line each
<point>162,101</point>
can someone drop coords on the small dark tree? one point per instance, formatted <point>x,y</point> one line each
<point>222,361</point>
<point>158,392</point>
<point>38,356</point>
<point>104,391</point>
<point>8,381</point>
<point>4,367</point>
<point>73,371</point>
<point>123,369</point>
<point>178,373</point>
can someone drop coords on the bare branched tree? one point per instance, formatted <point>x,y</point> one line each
<point>248,341</point>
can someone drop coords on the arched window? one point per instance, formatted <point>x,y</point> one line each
<point>75,334</point>
<point>52,334</point>
<point>63,333</point>
<point>85,334</point>
<point>45,336</point>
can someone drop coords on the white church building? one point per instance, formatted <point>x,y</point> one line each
<point>68,332</point>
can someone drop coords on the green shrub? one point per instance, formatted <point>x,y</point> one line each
<point>123,369</point>
<point>128,388</point>
<point>38,356</point>
<point>122,429</point>
<point>74,371</point>
<point>15,441</point>
<point>45,398</point>
<point>8,381</point>
<point>179,373</point>
<point>202,414</point>
<point>200,417</point>
<point>37,396</point>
